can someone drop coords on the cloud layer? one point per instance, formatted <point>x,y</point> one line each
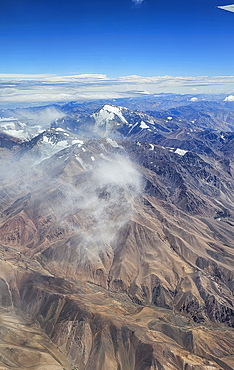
<point>43,88</point>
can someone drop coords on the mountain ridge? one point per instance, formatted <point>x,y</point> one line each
<point>122,250</point>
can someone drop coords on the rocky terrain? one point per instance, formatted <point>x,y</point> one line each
<point>117,250</point>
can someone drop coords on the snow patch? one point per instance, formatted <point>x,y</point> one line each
<point>19,134</point>
<point>180,151</point>
<point>103,156</point>
<point>80,142</point>
<point>56,146</point>
<point>133,126</point>
<point>103,148</point>
<point>86,167</point>
<point>45,139</point>
<point>61,145</point>
<point>113,143</point>
<point>9,126</point>
<point>143,125</point>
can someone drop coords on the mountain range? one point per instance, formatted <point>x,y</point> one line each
<point>117,239</point>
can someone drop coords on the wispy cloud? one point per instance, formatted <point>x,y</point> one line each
<point>40,89</point>
<point>137,2</point>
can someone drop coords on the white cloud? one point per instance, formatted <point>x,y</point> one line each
<point>23,76</point>
<point>229,98</point>
<point>45,88</point>
<point>43,118</point>
<point>193,99</point>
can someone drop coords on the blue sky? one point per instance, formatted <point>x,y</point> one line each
<point>57,50</point>
<point>116,37</point>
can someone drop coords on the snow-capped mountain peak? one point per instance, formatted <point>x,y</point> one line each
<point>48,143</point>
<point>107,114</point>
<point>121,122</point>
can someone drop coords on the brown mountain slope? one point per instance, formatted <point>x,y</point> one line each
<point>123,253</point>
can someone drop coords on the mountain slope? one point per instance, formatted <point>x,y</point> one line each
<point>211,115</point>
<point>115,246</point>
<point>120,252</point>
